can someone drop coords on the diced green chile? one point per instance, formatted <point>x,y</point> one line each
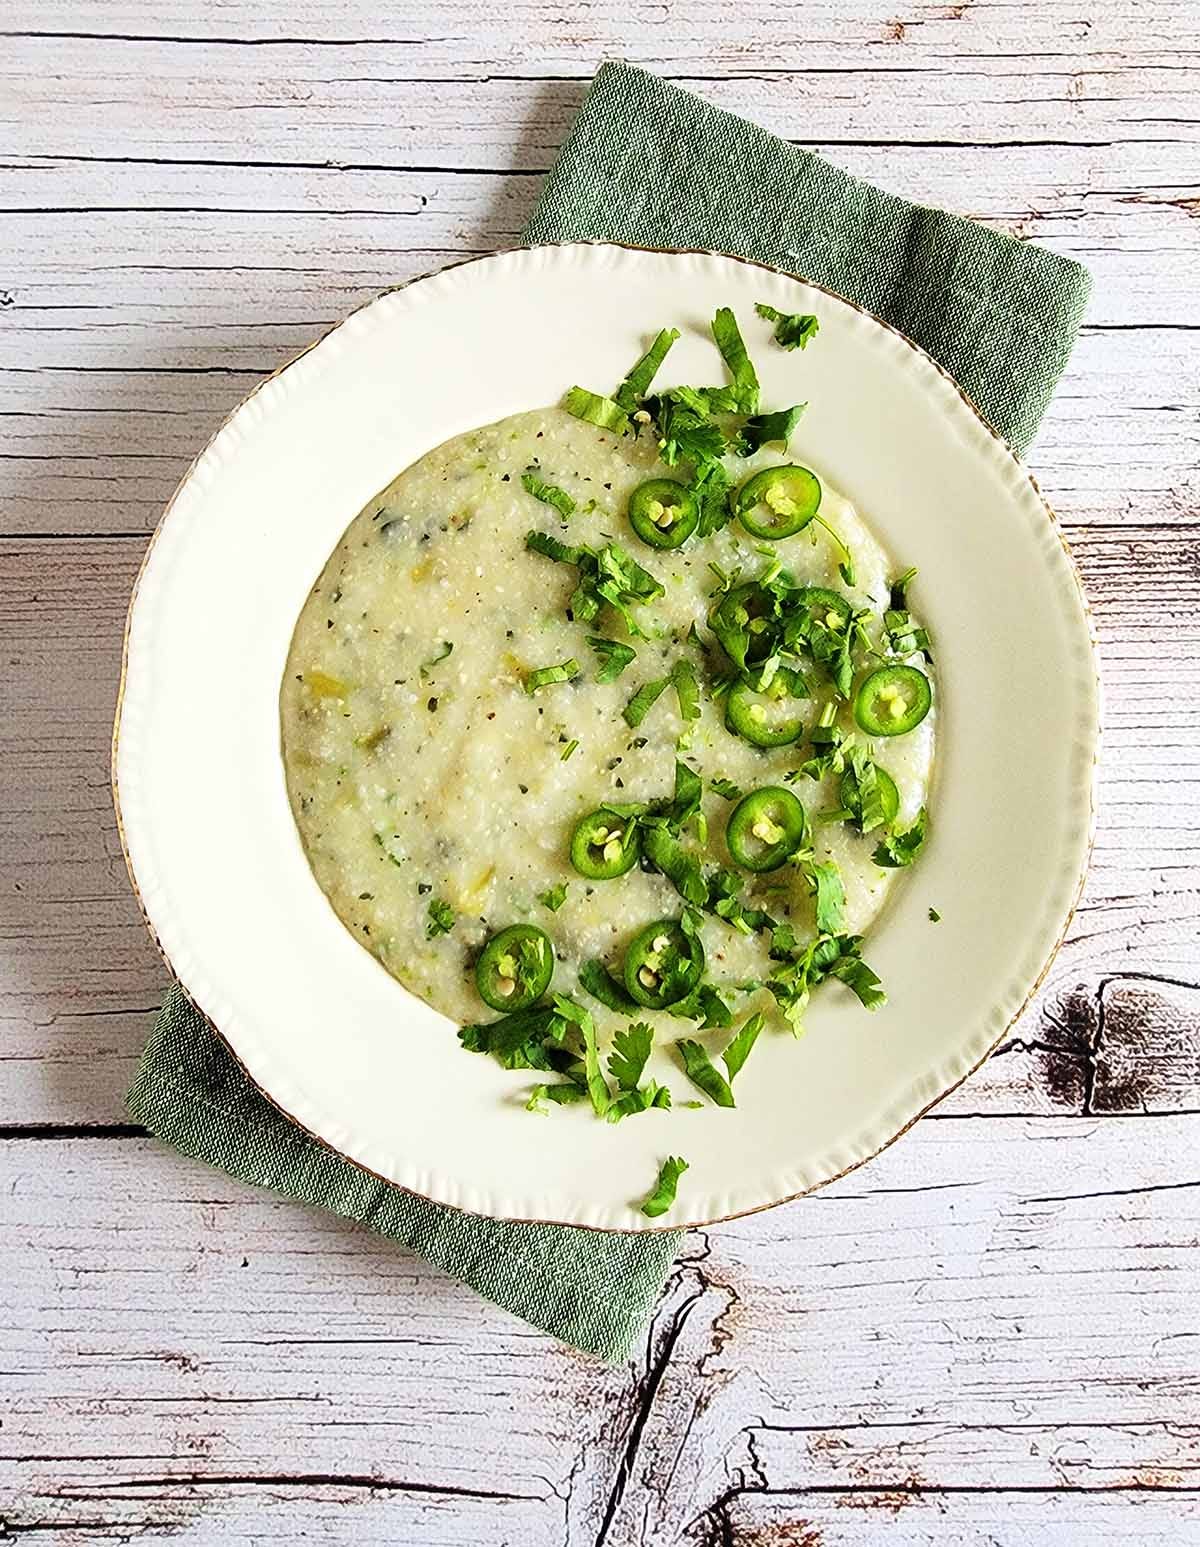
<point>604,846</point>
<point>889,795</point>
<point>893,701</point>
<point>663,512</point>
<point>515,967</point>
<point>663,964</point>
<point>763,719</point>
<point>765,828</point>
<point>778,501</point>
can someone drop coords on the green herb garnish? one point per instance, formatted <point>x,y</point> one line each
<point>545,676</point>
<point>614,657</point>
<point>640,705</point>
<point>662,1197</point>
<point>567,750</point>
<point>934,916</point>
<point>763,429</point>
<point>596,409</point>
<point>702,1072</point>
<point>729,341</point>
<point>830,895</point>
<point>548,493</point>
<point>562,1094</point>
<point>793,330</point>
<point>445,649</point>
<point>554,898</point>
<point>598,981</point>
<point>725,788</point>
<point>739,1049</point>
<point>899,849</point>
<point>635,386</point>
<point>687,688</point>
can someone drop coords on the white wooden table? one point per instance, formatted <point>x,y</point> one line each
<point>989,1335</point>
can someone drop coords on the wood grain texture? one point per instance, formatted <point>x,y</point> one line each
<point>993,1299</point>
<point>986,1336</point>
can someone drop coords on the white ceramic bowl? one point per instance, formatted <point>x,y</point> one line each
<point>325,1032</point>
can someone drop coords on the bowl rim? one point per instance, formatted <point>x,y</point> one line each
<point>999,443</point>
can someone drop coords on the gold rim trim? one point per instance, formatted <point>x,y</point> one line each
<point>1006,450</point>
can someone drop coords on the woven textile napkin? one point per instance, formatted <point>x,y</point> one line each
<point>649,164</point>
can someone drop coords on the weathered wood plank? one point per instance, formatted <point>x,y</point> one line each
<point>451,36</point>
<point>864,1518</point>
<point>80,975</point>
<point>206,101</point>
<point>209,231</point>
<point>95,451</point>
<point>989,1296</point>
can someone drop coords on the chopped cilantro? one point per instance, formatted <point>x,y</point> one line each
<point>444,650</point>
<point>733,351</point>
<point>831,897</point>
<point>548,493</point>
<point>582,1020</point>
<point>562,1094</point>
<point>739,1049</point>
<point>567,750</point>
<point>639,706</point>
<point>703,1073</point>
<point>934,916</point>
<point>900,848</point>
<point>598,981</point>
<point>793,330</point>
<point>596,409</point>
<point>687,688</point>
<point>778,426</point>
<point>662,1196</point>
<point>635,386</point>
<point>614,657</point>
<point>545,676</point>
<point>554,898</point>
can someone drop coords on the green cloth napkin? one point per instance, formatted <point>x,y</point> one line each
<point>649,164</point>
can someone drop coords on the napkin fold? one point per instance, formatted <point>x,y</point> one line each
<point>654,166</point>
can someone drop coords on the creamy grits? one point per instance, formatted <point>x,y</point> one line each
<point>436,786</point>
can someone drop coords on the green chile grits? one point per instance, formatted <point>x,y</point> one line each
<point>507,703</point>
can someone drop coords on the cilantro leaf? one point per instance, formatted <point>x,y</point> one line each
<point>662,1196</point>
<point>561,1094</point>
<point>733,351</point>
<point>442,918</point>
<point>934,916</point>
<point>778,426</point>
<point>580,1018</point>
<point>703,1073</point>
<point>630,1050</point>
<point>548,493</point>
<point>596,409</point>
<point>689,789</point>
<point>614,657</point>
<point>545,676</point>
<point>711,487</point>
<point>596,980</point>
<point>831,897</point>
<point>687,688</point>
<point>899,849</point>
<point>554,898</point>
<point>793,330</point>
<point>703,1004</point>
<point>635,386</point>
<point>680,866</point>
<point>644,1099</point>
<point>639,706</point>
<point>725,788</point>
<point>739,1049</point>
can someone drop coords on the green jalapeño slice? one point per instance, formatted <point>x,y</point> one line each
<point>663,512</point>
<point>885,785</point>
<point>766,828</point>
<point>768,718</point>
<point>778,502</point>
<point>823,606</point>
<point>893,700</point>
<point>663,964</point>
<point>605,846</point>
<point>515,967</point>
